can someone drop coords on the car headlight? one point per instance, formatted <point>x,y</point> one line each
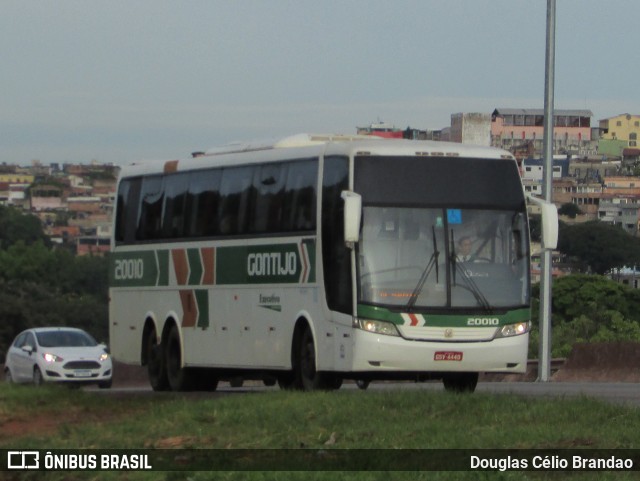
<point>516,329</point>
<point>377,327</point>
<point>51,357</point>
<point>104,356</point>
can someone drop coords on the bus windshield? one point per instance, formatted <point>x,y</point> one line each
<point>443,258</point>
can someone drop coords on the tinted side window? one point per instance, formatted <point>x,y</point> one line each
<point>127,210</point>
<point>335,255</point>
<point>235,198</point>
<point>268,185</point>
<point>299,206</point>
<point>150,216</point>
<point>173,210</point>
<point>202,203</point>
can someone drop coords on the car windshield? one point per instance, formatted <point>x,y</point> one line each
<point>442,258</point>
<point>65,338</point>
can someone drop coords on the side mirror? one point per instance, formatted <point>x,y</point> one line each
<point>28,349</point>
<point>352,216</point>
<point>549,222</point>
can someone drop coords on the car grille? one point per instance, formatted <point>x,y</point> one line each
<point>82,365</point>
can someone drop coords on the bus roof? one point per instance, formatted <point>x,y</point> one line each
<point>311,145</point>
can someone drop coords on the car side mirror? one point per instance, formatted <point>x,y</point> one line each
<point>28,349</point>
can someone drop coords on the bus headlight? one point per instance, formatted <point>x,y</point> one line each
<point>511,330</point>
<point>377,327</point>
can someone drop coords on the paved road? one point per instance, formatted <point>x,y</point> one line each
<point>623,393</point>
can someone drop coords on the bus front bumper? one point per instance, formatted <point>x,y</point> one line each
<point>378,354</point>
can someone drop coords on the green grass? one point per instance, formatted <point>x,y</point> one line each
<point>346,419</point>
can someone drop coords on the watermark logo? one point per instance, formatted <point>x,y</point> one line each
<point>23,460</point>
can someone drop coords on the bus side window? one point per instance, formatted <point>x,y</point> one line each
<point>266,212</point>
<point>202,203</point>
<point>336,256</point>
<point>235,199</point>
<point>127,210</point>
<point>175,189</point>
<point>300,197</point>
<point>150,214</point>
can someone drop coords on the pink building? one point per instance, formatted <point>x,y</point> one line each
<point>514,128</point>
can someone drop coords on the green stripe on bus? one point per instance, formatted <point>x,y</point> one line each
<point>443,320</point>
<point>195,267</point>
<point>292,263</point>
<point>202,299</point>
<point>266,264</point>
<point>133,269</point>
<point>163,267</point>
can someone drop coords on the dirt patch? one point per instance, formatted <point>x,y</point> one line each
<point>588,362</point>
<point>51,420</point>
<point>602,362</point>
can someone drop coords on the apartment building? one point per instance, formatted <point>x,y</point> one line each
<point>517,128</point>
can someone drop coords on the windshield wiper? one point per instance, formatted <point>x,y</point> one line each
<point>470,284</point>
<point>433,261</point>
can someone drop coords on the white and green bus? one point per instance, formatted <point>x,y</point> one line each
<point>316,259</point>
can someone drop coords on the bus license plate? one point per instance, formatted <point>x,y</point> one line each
<point>447,356</point>
<point>82,373</point>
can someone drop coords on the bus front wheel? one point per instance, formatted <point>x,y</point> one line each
<point>460,381</point>
<point>310,379</point>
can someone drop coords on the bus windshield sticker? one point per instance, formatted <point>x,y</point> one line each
<point>454,216</point>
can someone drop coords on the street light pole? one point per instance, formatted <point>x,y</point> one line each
<point>544,353</point>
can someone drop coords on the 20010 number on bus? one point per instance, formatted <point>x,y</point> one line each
<point>128,269</point>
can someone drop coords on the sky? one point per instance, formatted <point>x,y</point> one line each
<point>125,80</point>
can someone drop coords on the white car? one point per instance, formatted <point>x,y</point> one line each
<point>58,354</point>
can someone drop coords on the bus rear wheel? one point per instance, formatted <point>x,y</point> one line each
<point>156,369</point>
<point>460,381</point>
<point>180,378</point>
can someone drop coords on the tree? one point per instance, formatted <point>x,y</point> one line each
<point>17,226</point>
<point>589,308</point>
<point>600,247</point>
<point>44,287</point>
<point>570,210</point>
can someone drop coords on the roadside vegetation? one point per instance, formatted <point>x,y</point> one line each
<point>54,417</point>
<point>41,285</point>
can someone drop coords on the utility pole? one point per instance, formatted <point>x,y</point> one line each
<point>544,353</point>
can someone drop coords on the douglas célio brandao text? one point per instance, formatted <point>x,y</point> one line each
<point>551,462</point>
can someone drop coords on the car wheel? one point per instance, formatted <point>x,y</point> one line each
<point>105,384</point>
<point>362,383</point>
<point>7,376</point>
<point>38,380</point>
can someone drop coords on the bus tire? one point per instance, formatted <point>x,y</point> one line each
<point>156,368</point>
<point>309,378</point>
<point>460,382</point>
<point>288,381</point>
<point>180,378</point>
<point>205,380</point>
